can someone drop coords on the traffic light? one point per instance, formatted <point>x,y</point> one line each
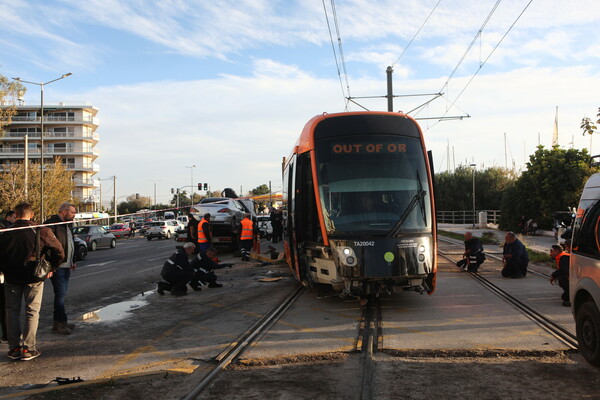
<point>137,196</point>
<point>199,186</point>
<point>206,186</point>
<point>172,191</point>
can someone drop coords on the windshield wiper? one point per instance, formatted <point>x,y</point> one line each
<point>417,199</point>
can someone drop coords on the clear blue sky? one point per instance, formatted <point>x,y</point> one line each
<point>228,85</point>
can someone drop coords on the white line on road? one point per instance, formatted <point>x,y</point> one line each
<point>93,273</point>
<point>148,269</point>
<point>101,264</point>
<point>156,258</point>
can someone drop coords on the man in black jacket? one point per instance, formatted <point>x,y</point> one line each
<point>473,255</point>
<point>63,230</point>
<point>177,271</point>
<point>204,265</point>
<point>9,219</point>
<point>514,257</point>
<point>17,248</point>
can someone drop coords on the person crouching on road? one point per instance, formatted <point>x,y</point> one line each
<point>561,274</point>
<point>473,255</point>
<point>204,267</point>
<point>177,271</point>
<point>514,257</point>
<point>246,236</point>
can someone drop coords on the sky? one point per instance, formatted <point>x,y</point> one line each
<point>227,86</point>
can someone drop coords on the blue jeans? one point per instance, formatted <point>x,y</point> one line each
<point>60,281</point>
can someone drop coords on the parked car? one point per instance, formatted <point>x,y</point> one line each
<point>225,213</point>
<point>160,229</point>
<point>120,230</point>
<point>81,249</point>
<point>95,236</point>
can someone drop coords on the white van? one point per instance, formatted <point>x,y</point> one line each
<point>183,219</point>
<point>584,274</point>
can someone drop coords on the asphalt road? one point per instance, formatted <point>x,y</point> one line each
<point>109,275</point>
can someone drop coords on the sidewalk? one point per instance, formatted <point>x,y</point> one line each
<point>540,242</point>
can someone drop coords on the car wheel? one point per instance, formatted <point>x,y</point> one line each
<point>81,253</point>
<point>168,235</point>
<point>93,246</point>
<point>588,332</point>
<point>149,237</point>
<point>113,243</point>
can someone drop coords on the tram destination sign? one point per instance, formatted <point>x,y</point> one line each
<point>368,148</point>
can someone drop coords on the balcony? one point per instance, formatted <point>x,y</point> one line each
<point>86,182</point>
<point>51,119</point>
<point>49,152</point>
<point>52,135</point>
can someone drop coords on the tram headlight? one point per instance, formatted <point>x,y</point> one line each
<point>347,256</point>
<point>422,248</point>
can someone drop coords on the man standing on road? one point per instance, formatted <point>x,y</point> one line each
<point>204,234</point>
<point>514,257</point>
<point>191,231</point>
<point>246,236</point>
<point>60,279</point>
<point>561,274</point>
<point>17,249</point>
<point>9,219</point>
<point>277,224</point>
<point>177,271</point>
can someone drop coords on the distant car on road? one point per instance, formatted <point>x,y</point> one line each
<point>162,229</point>
<point>81,249</point>
<point>95,236</point>
<point>120,230</point>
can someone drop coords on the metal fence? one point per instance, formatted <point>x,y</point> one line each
<point>467,217</point>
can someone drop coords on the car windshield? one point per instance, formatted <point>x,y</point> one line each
<point>81,229</point>
<point>373,184</point>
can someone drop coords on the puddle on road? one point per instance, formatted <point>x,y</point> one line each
<point>118,311</point>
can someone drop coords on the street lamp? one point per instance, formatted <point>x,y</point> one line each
<point>41,85</point>
<point>473,168</point>
<point>192,183</point>
<point>154,180</point>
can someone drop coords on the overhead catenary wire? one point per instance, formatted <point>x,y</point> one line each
<point>481,64</point>
<point>415,35</point>
<point>335,56</point>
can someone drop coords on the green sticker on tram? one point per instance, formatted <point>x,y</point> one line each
<point>389,256</point>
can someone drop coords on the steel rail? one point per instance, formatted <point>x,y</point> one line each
<point>540,319</point>
<point>245,340</point>
<point>371,332</point>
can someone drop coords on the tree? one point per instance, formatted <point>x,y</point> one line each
<point>552,182</point>
<point>133,204</point>
<point>589,127</point>
<point>58,186</point>
<point>10,91</point>
<point>454,190</point>
<point>262,189</point>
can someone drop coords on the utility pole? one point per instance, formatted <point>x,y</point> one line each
<point>270,200</point>
<point>115,197</point>
<point>390,92</point>
<point>26,164</point>
<point>100,203</point>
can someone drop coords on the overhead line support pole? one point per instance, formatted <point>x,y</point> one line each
<point>390,92</point>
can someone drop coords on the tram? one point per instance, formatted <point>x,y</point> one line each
<point>358,205</point>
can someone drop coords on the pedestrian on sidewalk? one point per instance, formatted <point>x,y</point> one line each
<point>17,251</point>
<point>60,278</point>
<point>561,274</point>
<point>514,257</point>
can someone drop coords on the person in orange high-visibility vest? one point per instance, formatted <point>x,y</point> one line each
<point>246,236</point>
<point>204,234</point>
<point>561,274</point>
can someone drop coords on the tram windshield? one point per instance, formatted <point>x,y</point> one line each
<point>373,185</point>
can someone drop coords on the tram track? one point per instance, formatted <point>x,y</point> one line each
<point>244,341</point>
<point>555,329</point>
<point>369,342</point>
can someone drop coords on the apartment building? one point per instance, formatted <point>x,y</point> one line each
<point>69,133</point>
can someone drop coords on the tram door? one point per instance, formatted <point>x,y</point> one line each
<point>289,197</point>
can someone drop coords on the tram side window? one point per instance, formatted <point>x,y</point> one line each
<point>588,235</point>
<point>306,212</point>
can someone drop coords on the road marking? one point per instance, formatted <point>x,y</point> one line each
<point>148,269</point>
<point>165,245</point>
<point>101,264</point>
<point>93,273</point>
<point>156,258</point>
